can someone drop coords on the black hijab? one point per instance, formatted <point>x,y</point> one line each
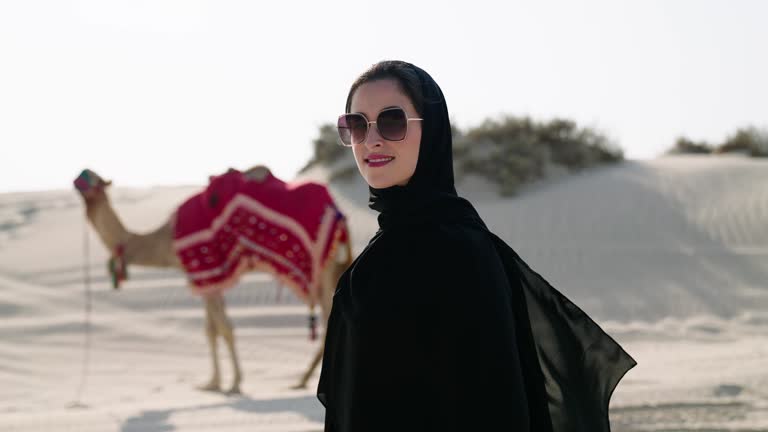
<point>569,365</point>
<point>434,169</point>
<point>432,180</point>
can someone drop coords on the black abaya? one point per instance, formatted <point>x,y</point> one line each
<point>438,325</point>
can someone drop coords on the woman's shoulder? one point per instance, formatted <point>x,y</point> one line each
<point>450,242</point>
<point>460,234</point>
<point>460,256</point>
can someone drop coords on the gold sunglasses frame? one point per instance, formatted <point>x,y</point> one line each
<point>369,123</point>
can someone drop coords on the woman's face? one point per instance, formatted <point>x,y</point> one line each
<point>369,99</point>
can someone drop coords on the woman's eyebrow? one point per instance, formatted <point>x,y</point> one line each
<point>383,109</point>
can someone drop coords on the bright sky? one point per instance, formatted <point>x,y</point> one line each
<point>149,92</point>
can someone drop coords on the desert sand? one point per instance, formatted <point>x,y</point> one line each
<point>669,255</point>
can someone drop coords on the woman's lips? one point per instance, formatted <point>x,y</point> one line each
<point>378,160</point>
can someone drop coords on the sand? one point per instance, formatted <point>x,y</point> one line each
<point>669,255</point>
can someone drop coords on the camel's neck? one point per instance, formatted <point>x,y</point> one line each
<point>105,221</point>
<point>152,249</point>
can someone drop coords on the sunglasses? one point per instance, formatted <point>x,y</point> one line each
<point>392,124</point>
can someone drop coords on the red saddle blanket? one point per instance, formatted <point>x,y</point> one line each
<point>238,224</point>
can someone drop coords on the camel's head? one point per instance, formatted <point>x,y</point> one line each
<point>90,185</point>
<point>257,173</point>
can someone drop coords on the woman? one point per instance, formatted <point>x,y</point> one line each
<point>438,325</point>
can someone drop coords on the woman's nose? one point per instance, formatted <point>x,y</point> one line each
<point>374,139</point>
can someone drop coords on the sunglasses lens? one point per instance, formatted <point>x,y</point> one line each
<point>392,124</point>
<point>352,128</point>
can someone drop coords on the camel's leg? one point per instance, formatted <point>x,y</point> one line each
<point>225,330</point>
<point>210,332</point>
<point>330,278</point>
<point>315,361</point>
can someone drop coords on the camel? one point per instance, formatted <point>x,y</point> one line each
<point>155,249</point>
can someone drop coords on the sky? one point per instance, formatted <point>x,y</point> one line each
<point>167,92</point>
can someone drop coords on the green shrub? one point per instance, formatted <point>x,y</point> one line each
<point>749,140</point>
<point>685,146</point>
<point>509,151</point>
<point>512,151</point>
<point>326,147</point>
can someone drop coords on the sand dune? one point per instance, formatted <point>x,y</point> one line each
<point>669,255</point>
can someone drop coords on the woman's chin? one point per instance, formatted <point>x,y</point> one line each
<point>384,184</point>
<point>379,183</point>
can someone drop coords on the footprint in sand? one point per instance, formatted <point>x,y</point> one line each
<point>725,390</point>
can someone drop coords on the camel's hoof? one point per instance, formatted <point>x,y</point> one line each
<point>234,391</point>
<point>210,387</point>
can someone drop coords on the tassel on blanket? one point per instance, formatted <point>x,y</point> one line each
<point>312,325</point>
<point>118,269</point>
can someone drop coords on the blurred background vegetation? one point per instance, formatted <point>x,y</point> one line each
<point>748,140</point>
<point>508,151</point>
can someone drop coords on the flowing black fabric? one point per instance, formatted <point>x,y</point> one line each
<point>439,325</point>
